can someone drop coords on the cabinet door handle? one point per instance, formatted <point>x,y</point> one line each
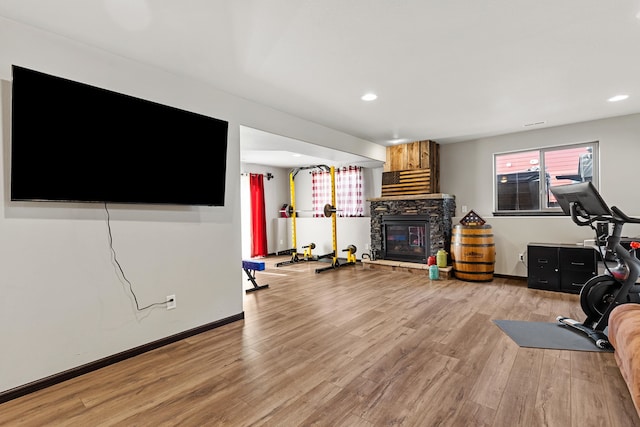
<point>577,263</point>
<point>543,281</point>
<point>543,261</point>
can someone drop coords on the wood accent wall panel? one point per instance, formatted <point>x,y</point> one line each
<point>415,156</point>
<point>396,158</point>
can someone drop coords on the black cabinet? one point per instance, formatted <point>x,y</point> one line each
<point>559,267</point>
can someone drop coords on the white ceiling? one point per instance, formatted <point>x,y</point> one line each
<point>443,70</point>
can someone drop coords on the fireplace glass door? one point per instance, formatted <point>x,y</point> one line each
<point>405,238</point>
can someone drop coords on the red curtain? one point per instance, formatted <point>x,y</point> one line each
<point>258,219</point>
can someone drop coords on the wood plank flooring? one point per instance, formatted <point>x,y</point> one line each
<point>352,347</point>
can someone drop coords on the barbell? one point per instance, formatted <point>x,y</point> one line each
<point>328,210</point>
<point>351,249</point>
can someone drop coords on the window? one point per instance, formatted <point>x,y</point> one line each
<point>523,178</point>
<point>349,191</point>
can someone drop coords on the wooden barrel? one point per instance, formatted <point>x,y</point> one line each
<point>473,252</point>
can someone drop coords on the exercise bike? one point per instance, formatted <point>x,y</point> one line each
<point>602,293</point>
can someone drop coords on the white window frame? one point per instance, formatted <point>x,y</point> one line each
<point>543,190</point>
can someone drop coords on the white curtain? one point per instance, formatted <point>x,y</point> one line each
<point>349,191</point>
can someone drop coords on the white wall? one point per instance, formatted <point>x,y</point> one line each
<point>467,172</point>
<point>62,303</point>
<point>349,231</point>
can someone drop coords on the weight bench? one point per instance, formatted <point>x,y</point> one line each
<point>250,267</point>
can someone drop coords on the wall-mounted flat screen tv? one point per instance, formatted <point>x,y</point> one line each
<point>75,142</point>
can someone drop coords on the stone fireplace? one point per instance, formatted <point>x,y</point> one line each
<point>406,214</point>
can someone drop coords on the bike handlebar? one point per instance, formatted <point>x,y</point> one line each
<point>583,218</point>
<point>623,216</point>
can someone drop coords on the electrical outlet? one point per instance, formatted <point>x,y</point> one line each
<point>521,257</point>
<point>171,302</point>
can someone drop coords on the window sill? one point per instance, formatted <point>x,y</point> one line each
<point>529,213</point>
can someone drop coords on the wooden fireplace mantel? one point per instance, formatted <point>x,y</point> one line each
<point>434,196</point>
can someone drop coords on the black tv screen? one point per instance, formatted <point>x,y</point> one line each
<point>75,142</point>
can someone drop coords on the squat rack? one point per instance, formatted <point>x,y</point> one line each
<point>292,212</point>
<point>331,210</point>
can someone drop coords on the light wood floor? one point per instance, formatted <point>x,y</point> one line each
<point>353,347</point>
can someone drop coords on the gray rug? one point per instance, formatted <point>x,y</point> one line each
<point>546,335</point>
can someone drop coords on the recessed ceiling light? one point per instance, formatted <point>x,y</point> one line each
<point>297,155</point>
<point>396,141</point>
<point>369,97</point>
<point>618,98</point>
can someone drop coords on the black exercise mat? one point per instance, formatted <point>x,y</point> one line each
<point>546,335</point>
